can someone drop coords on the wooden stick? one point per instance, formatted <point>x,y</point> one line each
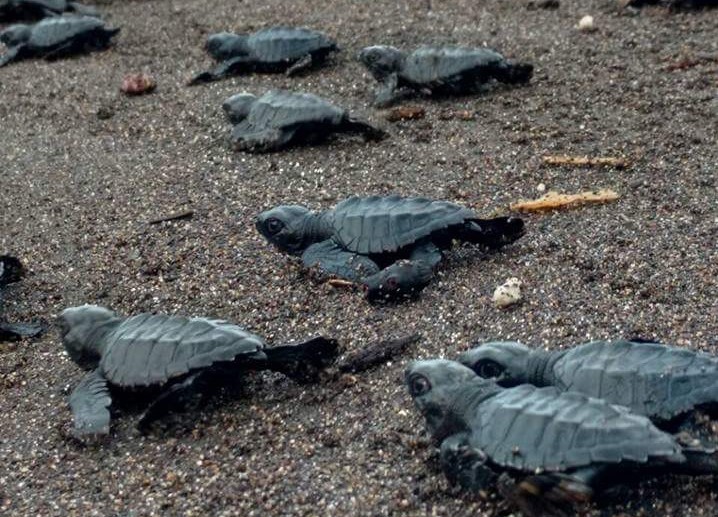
<point>376,354</point>
<point>186,214</point>
<point>554,200</point>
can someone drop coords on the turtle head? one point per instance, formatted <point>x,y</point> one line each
<point>382,60</point>
<point>225,45</point>
<point>401,279</point>
<point>15,35</point>
<point>505,362</point>
<point>237,106</point>
<point>287,227</point>
<point>82,330</point>
<point>435,385</point>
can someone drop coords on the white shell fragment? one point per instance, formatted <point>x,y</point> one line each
<point>508,293</point>
<point>585,24</point>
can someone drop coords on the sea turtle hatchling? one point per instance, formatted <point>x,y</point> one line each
<point>562,447</point>
<point>11,271</point>
<point>439,69</point>
<point>274,49</point>
<point>388,244</point>
<point>53,38</point>
<point>665,383</point>
<point>14,10</point>
<point>280,119</point>
<point>171,358</point>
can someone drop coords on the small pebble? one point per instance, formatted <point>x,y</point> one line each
<point>585,24</point>
<point>137,84</point>
<point>507,294</point>
<point>541,187</point>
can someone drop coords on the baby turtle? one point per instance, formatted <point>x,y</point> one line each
<point>53,38</point>
<point>568,445</point>
<point>171,358</point>
<point>444,70</point>
<point>389,244</point>
<point>275,49</point>
<point>11,271</point>
<point>13,10</point>
<point>659,381</point>
<point>280,119</point>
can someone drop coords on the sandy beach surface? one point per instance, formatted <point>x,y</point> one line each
<point>78,190</point>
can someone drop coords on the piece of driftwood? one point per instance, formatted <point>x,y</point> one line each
<point>186,214</point>
<point>376,354</point>
<point>553,200</point>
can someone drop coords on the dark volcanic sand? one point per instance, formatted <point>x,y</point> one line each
<point>78,190</point>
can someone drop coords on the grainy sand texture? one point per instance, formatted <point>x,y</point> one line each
<point>78,191</point>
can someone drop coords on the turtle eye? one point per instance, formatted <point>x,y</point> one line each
<point>274,225</point>
<point>419,385</point>
<point>488,369</point>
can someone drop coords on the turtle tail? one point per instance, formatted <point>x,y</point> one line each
<point>493,233</point>
<point>302,362</point>
<point>352,125</point>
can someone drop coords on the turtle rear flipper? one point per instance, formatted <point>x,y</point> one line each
<point>515,73</point>
<point>369,132</point>
<point>232,66</point>
<point>493,233</point>
<point>11,270</point>
<point>554,495</point>
<point>302,362</point>
<point>180,397</point>
<point>89,403</point>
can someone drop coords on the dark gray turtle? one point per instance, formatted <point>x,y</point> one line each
<point>53,38</point>
<point>171,358</point>
<point>389,244</point>
<point>13,10</point>
<point>280,119</point>
<point>659,381</point>
<point>275,49</point>
<point>11,271</point>
<point>439,69</point>
<point>568,444</point>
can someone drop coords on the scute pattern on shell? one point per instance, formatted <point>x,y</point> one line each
<point>385,224</point>
<point>537,428</point>
<point>52,32</point>
<point>279,108</point>
<point>652,379</point>
<point>429,64</point>
<point>279,44</point>
<point>164,346</point>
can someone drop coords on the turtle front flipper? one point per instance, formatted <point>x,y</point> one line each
<point>90,402</point>
<point>386,93</point>
<point>13,331</point>
<point>511,72</point>
<point>246,138</point>
<point>552,494</point>
<point>302,362</point>
<point>13,54</point>
<point>330,259</point>
<point>234,66</point>
<point>464,465</point>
